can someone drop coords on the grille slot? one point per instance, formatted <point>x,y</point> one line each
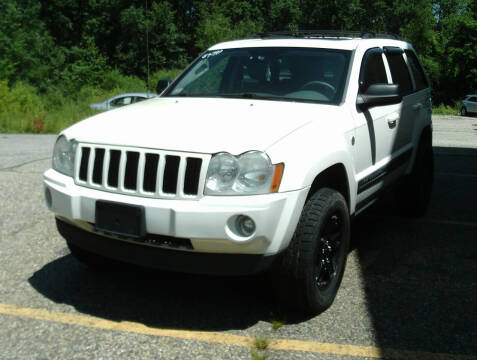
<point>113,172</point>
<point>192,175</point>
<point>141,172</point>
<point>98,166</point>
<point>150,172</point>
<point>83,172</point>
<point>171,169</point>
<point>130,177</point>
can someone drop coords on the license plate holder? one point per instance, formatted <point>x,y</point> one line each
<point>120,219</point>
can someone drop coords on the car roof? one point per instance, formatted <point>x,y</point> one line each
<point>326,43</point>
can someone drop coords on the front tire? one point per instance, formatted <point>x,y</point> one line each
<point>311,268</point>
<point>463,111</point>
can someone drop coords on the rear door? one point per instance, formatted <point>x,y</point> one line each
<point>411,105</point>
<point>420,97</point>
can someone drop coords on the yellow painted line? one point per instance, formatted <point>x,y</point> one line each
<point>225,338</point>
<point>126,326</point>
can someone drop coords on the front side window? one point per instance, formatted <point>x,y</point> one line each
<point>278,73</point>
<point>399,71</point>
<point>373,71</point>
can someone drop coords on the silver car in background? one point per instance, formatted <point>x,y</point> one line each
<point>122,100</point>
<point>469,105</point>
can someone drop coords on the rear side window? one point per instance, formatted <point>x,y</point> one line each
<point>122,101</point>
<point>372,70</point>
<point>417,71</point>
<point>139,98</point>
<point>399,71</point>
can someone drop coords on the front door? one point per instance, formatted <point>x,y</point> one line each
<point>380,137</point>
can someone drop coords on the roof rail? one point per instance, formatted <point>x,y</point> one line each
<point>325,34</point>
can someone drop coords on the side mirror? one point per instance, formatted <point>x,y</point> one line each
<point>379,94</point>
<point>162,84</point>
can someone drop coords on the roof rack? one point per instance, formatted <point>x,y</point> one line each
<point>325,34</point>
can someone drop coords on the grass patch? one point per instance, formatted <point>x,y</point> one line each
<point>260,343</point>
<point>259,351</point>
<point>445,110</point>
<point>277,319</point>
<point>277,324</point>
<point>258,355</point>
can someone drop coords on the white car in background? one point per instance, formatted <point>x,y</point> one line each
<point>469,105</point>
<point>122,100</point>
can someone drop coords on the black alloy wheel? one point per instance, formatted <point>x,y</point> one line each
<point>328,254</point>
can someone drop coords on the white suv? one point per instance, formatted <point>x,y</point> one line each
<point>256,157</point>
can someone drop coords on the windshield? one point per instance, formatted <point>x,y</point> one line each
<point>289,74</point>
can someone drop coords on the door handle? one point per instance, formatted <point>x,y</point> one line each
<point>392,120</point>
<point>417,107</point>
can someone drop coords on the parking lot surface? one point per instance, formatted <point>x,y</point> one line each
<point>409,290</point>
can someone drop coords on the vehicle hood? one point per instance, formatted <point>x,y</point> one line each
<point>196,124</point>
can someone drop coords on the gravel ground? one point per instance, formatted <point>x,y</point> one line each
<point>408,285</point>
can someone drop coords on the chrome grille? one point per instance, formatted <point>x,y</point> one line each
<point>141,172</point>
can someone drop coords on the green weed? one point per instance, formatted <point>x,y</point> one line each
<point>260,343</point>
<point>258,355</point>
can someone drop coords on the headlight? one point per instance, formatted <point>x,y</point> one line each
<point>64,156</point>
<point>249,173</point>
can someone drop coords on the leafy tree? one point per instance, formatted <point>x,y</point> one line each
<point>459,60</point>
<point>284,15</point>
<point>155,29</point>
<point>65,45</point>
<point>26,49</point>
<point>85,66</point>
<point>226,20</point>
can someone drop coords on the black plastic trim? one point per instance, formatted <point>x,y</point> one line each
<point>171,260</point>
<point>376,176</point>
<point>393,50</point>
<point>325,34</point>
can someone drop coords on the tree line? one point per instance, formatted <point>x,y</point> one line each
<point>67,44</point>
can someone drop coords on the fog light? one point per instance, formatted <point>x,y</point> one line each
<point>48,199</point>
<point>245,225</point>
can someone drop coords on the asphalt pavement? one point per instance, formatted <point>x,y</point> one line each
<point>409,290</point>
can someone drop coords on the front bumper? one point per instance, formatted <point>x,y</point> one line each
<point>206,222</point>
<point>171,260</point>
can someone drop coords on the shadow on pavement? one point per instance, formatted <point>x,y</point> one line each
<point>422,285</point>
<point>158,299</point>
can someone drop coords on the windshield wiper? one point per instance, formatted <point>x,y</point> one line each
<point>240,95</point>
<point>248,96</point>
<point>243,95</point>
<point>254,96</point>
